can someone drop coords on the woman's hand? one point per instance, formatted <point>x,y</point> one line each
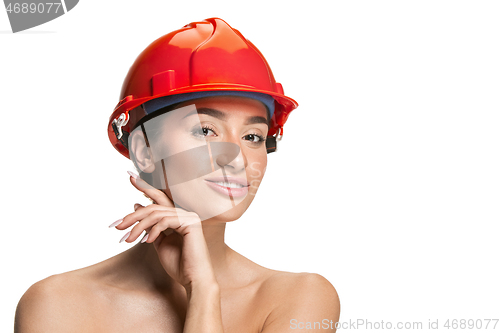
<point>177,236</point>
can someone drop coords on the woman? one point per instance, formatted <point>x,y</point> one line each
<point>199,111</point>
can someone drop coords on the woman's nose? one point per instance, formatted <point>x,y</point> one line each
<point>227,157</point>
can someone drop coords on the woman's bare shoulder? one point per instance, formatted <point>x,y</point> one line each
<point>56,303</point>
<point>281,283</point>
<point>291,296</point>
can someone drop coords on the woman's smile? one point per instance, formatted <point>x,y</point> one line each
<point>229,186</point>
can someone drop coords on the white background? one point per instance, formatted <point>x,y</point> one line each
<point>386,181</point>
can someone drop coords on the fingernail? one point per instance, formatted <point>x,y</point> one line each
<point>125,237</point>
<point>114,224</point>
<point>145,238</point>
<point>132,174</point>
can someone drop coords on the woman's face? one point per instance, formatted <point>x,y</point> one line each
<point>213,153</point>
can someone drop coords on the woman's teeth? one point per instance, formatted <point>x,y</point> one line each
<point>231,185</point>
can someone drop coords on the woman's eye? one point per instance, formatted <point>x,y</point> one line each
<point>254,138</point>
<point>204,131</point>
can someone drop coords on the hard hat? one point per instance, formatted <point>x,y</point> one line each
<point>201,56</point>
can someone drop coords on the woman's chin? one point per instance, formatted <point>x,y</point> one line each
<point>224,214</point>
<point>227,216</point>
<point>210,204</point>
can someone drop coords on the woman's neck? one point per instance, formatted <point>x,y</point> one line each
<point>145,267</point>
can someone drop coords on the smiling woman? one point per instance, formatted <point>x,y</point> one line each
<point>200,152</point>
<point>199,112</point>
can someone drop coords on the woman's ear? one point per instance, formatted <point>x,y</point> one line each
<point>140,152</point>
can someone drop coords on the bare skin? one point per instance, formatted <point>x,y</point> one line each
<point>183,281</point>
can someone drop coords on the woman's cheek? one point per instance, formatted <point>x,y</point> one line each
<point>257,170</point>
<point>254,186</point>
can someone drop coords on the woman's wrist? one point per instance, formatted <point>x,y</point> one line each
<point>205,287</point>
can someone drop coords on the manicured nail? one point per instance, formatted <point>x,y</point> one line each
<point>145,238</point>
<point>114,224</point>
<point>125,237</point>
<point>132,174</point>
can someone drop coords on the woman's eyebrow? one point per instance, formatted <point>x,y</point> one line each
<point>208,111</point>
<point>222,116</point>
<point>256,120</point>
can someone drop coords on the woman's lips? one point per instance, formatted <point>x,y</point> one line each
<point>238,187</point>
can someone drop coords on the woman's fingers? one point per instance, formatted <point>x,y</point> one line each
<point>155,194</point>
<point>159,221</point>
<point>142,212</point>
<point>148,217</point>
<point>154,219</point>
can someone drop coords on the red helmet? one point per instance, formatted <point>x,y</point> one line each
<point>202,56</point>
